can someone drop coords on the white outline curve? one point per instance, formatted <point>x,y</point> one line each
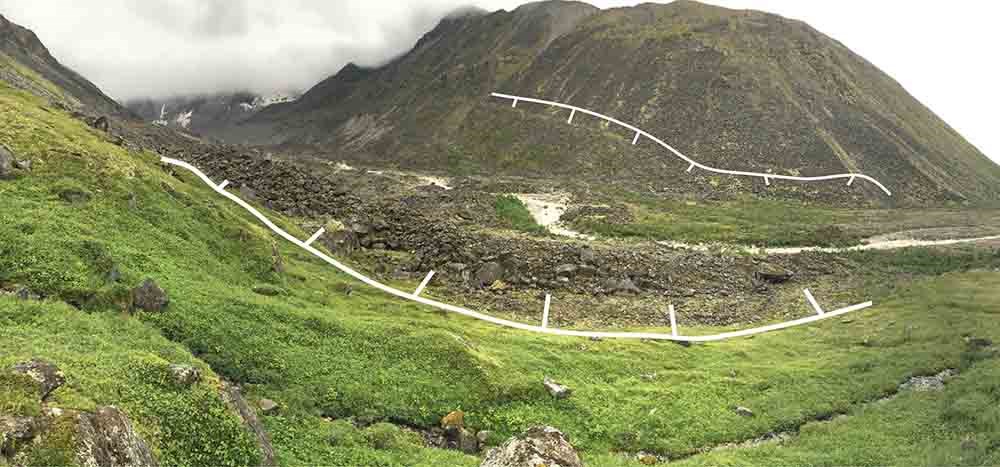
<point>688,159</point>
<point>490,319</point>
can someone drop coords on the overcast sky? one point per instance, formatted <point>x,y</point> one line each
<point>942,52</point>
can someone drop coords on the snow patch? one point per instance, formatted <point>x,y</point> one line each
<point>184,119</point>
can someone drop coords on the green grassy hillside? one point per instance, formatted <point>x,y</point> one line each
<point>88,208</point>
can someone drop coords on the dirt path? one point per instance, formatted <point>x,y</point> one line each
<point>547,209</point>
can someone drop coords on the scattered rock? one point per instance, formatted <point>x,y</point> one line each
<point>268,290</point>
<point>106,438</point>
<point>535,447</point>
<point>267,406</point>
<point>248,194</point>
<point>773,274</point>
<point>483,437</point>
<point>24,165</point>
<point>6,162</point>
<point>74,195</point>
<point>566,269</point>
<point>646,458</point>
<point>456,268</point>
<point>48,376</point>
<point>588,256</point>
<point>149,297</point>
<point>24,293</point>
<point>277,263</point>
<point>928,383</point>
<point>488,274</point>
<point>15,432</point>
<point>232,396</point>
<point>341,242</point>
<point>185,375</point>
<point>625,285</point>
<point>101,123</point>
<point>461,439</point>
<point>555,389</point>
<point>744,412</point>
<point>980,342</point>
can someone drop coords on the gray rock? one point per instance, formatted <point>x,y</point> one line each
<point>555,389</point>
<point>772,273</point>
<point>48,376</point>
<point>341,242</point>
<point>268,406</point>
<point>456,267</point>
<point>488,274</point>
<point>232,396</point>
<point>15,432</point>
<point>588,256</point>
<point>24,165</point>
<point>101,123</point>
<point>744,412</point>
<point>566,269</point>
<point>106,438</point>
<point>483,437</point>
<point>461,439</point>
<point>149,297</point>
<point>6,162</point>
<point>185,375</point>
<point>248,194</point>
<point>24,293</point>
<point>537,446</point>
<point>625,285</point>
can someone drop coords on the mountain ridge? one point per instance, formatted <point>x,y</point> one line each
<point>740,89</point>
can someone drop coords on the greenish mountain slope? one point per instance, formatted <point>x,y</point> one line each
<point>742,90</point>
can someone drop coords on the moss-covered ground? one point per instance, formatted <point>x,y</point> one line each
<point>89,208</point>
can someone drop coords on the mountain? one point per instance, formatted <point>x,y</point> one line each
<point>205,114</point>
<point>742,90</point>
<point>24,59</point>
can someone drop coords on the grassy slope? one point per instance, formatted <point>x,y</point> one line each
<point>776,223</point>
<point>323,354</point>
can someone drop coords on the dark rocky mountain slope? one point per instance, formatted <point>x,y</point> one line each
<point>733,89</point>
<point>23,58</point>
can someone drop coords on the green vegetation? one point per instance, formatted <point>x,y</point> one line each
<point>746,222</point>
<point>515,214</point>
<point>330,359</point>
<point>775,223</point>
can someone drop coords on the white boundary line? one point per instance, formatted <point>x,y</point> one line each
<point>545,311</point>
<point>491,319</point>
<point>315,236</point>
<point>813,302</point>
<point>686,158</point>
<point>423,283</point>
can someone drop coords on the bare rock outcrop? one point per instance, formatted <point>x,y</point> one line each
<point>106,438</point>
<point>541,445</point>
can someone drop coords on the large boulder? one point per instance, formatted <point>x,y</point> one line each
<point>542,445</point>
<point>234,398</point>
<point>47,375</point>
<point>6,162</point>
<point>185,375</point>
<point>149,297</point>
<point>341,242</point>
<point>106,438</point>
<point>15,432</point>
<point>488,274</point>
<point>772,273</point>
